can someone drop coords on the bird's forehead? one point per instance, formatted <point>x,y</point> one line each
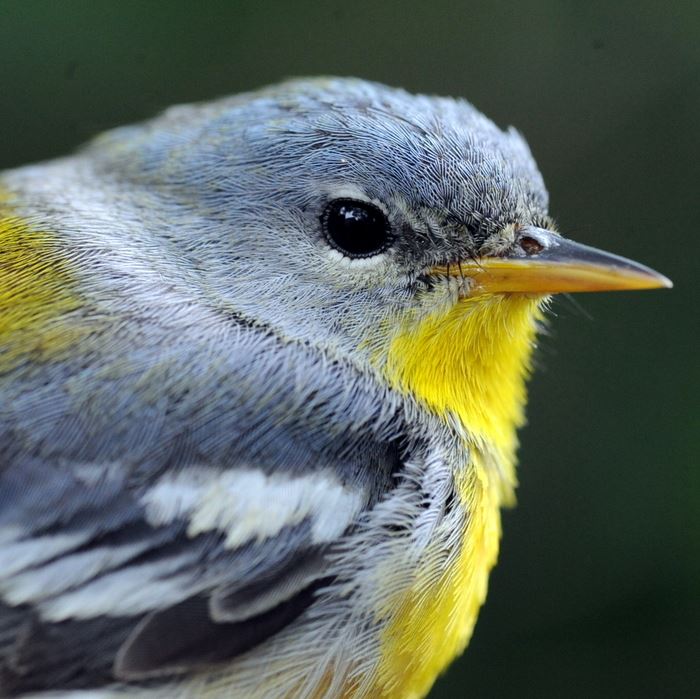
<point>435,153</point>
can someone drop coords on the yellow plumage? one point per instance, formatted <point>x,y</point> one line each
<point>470,364</point>
<point>36,289</point>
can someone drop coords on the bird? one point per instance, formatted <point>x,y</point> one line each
<point>263,363</point>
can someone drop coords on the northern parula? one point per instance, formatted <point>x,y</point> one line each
<point>262,364</point>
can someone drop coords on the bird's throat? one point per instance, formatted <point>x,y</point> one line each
<point>471,362</point>
<point>468,363</point>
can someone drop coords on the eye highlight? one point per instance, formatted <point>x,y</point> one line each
<point>356,228</point>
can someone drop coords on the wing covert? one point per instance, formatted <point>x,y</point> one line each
<point>186,571</point>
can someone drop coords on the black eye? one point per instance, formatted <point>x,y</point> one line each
<point>356,228</point>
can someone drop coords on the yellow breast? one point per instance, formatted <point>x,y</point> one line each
<point>472,363</point>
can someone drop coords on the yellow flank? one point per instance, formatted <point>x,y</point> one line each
<point>36,291</point>
<point>472,363</point>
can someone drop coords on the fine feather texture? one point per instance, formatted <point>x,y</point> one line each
<point>223,471</point>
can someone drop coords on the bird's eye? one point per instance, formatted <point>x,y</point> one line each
<point>356,228</point>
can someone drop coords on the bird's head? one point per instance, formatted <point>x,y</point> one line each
<point>405,233</point>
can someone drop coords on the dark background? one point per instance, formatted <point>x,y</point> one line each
<point>597,591</point>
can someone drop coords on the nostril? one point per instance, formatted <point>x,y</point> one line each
<point>530,245</point>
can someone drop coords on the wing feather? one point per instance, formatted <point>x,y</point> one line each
<point>184,482</point>
<point>103,589</point>
<point>185,636</point>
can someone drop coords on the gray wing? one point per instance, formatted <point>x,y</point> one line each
<point>95,591</point>
<point>162,533</point>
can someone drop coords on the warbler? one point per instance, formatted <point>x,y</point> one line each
<point>262,366</point>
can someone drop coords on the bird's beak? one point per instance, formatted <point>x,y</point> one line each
<point>542,262</point>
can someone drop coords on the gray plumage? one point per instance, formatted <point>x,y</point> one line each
<point>222,344</point>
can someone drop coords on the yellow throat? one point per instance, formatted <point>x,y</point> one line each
<point>470,363</point>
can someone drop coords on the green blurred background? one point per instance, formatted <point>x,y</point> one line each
<point>597,591</point>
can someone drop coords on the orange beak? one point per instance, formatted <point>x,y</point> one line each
<point>543,262</point>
